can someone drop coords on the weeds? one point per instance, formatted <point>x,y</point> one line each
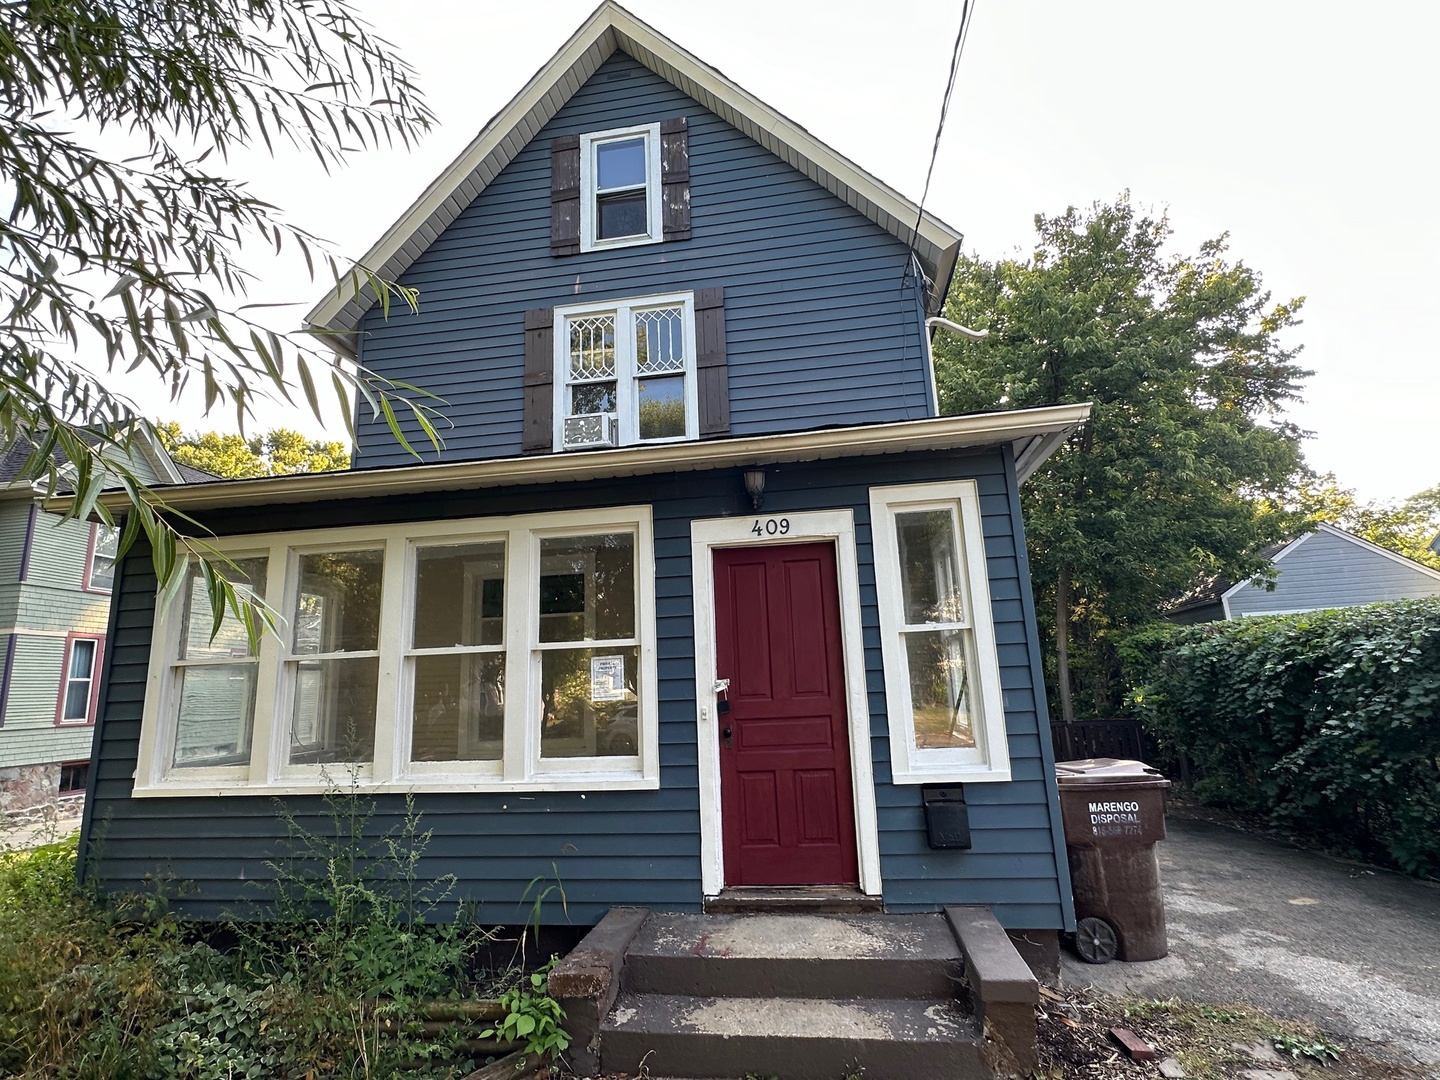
<point>332,972</point>
<point>533,1016</point>
<point>1315,1046</point>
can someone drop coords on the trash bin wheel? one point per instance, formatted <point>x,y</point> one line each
<point>1095,941</point>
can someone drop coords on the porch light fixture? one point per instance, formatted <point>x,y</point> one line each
<point>755,485</point>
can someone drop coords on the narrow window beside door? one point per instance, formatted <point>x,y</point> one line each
<point>942,672</point>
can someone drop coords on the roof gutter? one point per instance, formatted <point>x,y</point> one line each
<point>1033,434</point>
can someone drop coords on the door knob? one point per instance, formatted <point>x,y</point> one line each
<point>726,734</point>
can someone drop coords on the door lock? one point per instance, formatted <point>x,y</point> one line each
<point>726,734</point>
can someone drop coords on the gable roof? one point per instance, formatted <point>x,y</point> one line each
<point>1358,541</point>
<point>143,446</point>
<point>1219,589</point>
<point>610,29</point>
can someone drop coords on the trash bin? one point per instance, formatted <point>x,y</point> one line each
<point>1114,812</point>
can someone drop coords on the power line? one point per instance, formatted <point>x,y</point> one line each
<point>960,35</point>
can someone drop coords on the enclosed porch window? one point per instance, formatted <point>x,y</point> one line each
<point>513,653</point>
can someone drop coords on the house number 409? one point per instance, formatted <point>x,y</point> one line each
<point>771,527</point>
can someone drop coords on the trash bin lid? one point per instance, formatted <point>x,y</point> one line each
<point>1105,770</point>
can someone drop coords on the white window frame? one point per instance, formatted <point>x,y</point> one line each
<point>521,769</point>
<point>589,219</point>
<point>627,406</point>
<point>98,532</point>
<point>989,759</point>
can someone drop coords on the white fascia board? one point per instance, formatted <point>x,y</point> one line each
<point>159,459</point>
<point>1036,452</point>
<point>930,434</point>
<point>611,27</point>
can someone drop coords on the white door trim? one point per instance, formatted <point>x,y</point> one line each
<point>805,527</point>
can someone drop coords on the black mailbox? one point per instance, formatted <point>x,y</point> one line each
<point>947,819</point>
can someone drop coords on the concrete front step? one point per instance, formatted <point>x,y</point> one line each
<point>795,956</point>
<point>699,1038</point>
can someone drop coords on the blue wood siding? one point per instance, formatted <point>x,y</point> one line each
<point>628,847</point>
<point>1328,571</point>
<point>820,330</point>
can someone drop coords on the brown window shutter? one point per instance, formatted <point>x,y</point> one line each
<point>711,370</point>
<point>539,432</point>
<point>675,177</point>
<point>565,195</point>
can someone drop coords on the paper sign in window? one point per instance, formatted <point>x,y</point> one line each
<point>607,678</point>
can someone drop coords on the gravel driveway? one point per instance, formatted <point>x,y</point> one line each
<point>1295,933</point>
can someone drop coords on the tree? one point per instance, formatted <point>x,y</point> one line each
<point>278,452</point>
<point>1183,359</point>
<point>1407,528</point>
<point>132,259</point>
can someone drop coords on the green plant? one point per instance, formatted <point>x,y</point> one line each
<point>533,1016</point>
<point>1220,1016</point>
<point>1147,1009</point>
<point>1324,722</point>
<point>350,914</point>
<point>1318,1047</point>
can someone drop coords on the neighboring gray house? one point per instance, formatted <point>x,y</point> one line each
<point>1327,568</point>
<point>55,580</point>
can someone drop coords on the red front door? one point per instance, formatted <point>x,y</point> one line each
<point>785,798</point>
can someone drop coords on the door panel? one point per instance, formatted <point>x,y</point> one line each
<point>787,811</point>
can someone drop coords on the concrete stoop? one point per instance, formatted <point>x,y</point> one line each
<point>802,997</point>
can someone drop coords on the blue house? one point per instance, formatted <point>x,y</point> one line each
<point>702,602</point>
<point>1325,568</point>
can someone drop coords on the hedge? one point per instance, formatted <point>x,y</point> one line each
<point>1328,722</point>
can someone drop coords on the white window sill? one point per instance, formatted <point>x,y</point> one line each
<point>620,242</point>
<point>979,774</point>
<point>586,782</point>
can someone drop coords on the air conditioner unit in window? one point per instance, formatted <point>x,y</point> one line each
<point>588,431</point>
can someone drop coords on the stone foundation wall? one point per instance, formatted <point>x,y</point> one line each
<point>25,787</point>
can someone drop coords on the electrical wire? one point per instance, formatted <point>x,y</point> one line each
<point>960,35</point>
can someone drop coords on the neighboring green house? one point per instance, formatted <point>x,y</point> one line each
<point>55,580</point>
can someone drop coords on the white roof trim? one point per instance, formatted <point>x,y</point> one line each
<point>1019,428</point>
<point>159,457</point>
<point>1326,527</point>
<point>610,29</point>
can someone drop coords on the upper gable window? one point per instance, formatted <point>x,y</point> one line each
<point>625,373</point>
<point>620,201</point>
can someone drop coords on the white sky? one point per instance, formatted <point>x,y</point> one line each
<point>1307,130</point>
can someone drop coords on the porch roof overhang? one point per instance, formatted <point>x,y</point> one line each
<point>1033,435</point>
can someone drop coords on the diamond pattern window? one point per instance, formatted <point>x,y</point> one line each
<point>626,373</point>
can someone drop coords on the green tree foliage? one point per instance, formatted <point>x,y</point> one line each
<point>1324,721</point>
<point>1407,527</point>
<point>278,452</point>
<point>129,257</point>
<point>1182,356</point>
